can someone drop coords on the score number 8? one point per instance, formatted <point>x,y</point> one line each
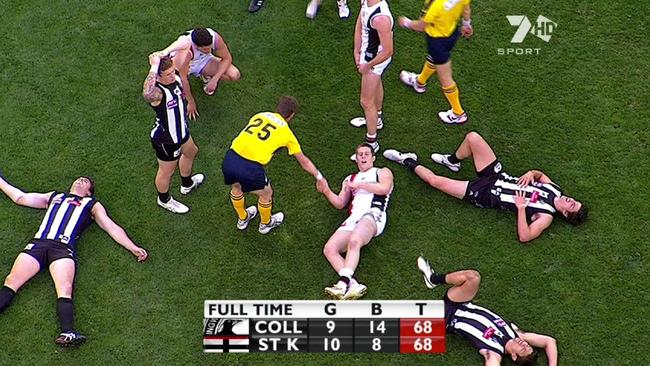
<point>423,327</point>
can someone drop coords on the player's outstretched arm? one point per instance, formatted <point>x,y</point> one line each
<point>467,30</point>
<point>182,64</point>
<point>414,25</point>
<point>527,232</point>
<point>33,200</point>
<point>339,201</point>
<point>383,187</point>
<point>306,164</point>
<point>116,232</point>
<point>182,43</point>
<point>545,342</point>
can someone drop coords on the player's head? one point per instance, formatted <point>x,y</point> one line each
<point>166,70</point>
<point>572,211</point>
<point>202,39</point>
<point>83,186</point>
<point>287,107</point>
<point>365,156</point>
<point>521,352</point>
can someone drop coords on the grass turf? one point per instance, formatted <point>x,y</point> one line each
<point>72,74</point>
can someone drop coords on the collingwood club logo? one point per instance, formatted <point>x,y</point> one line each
<point>543,29</point>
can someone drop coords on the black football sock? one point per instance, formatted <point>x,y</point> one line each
<point>453,159</point>
<point>438,278</point>
<point>164,197</point>
<point>411,163</point>
<point>186,181</point>
<point>6,295</point>
<point>65,313</point>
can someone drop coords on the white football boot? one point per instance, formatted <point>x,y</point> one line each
<point>425,268</point>
<point>450,118</point>
<point>197,180</point>
<point>276,220</point>
<point>344,11</point>
<point>411,79</point>
<point>336,291</point>
<point>398,157</point>
<point>251,212</point>
<point>355,291</point>
<point>173,206</point>
<point>312,9</point>
<point>444,160</point>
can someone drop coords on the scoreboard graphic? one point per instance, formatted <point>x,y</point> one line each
<point>415,326</point>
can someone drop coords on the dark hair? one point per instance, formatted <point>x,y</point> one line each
<point>365,144</point>
<point>201,37</point>
<point>578,217</point>
<point>528,360</point>
<point>92,184</point>
<point>165,63</point>
<point>287,105</point>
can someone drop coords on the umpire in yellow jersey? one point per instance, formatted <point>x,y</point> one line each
<point>251,150</point>
<point>439,22</point>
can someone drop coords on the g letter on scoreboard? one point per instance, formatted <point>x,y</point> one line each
<point>414,326</point>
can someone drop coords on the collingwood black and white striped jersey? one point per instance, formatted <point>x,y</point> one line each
<point>171,119</point>
<point>66,217</point>
<point>481,327</point>
<point>370,45</point>
<point>541,195</point>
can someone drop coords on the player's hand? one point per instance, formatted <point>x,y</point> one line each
<point>526,179</point>
<point>192,112</point>
<point>140,253</point>
<point>467,31</point>
<point>154,59</point>
<point>520,199</point>
<point>322,185</point>
<point>211,86</point>
<point>363,68</point>
<point>404,22</point>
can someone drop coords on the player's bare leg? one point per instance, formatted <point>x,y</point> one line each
<point>361,235</point>
<point>333,250</point>
<point>452,187</point>
<point>232,73</point>
<point>379,102</point>
<point>163,178</point>
<point>189,182</point>
<point>465,285</point>
<point>62,272</point>
<point>335,247</point>
<point>25,267</point>
<point>368,100</point>
<point>244,214</point>
<point>473,146</point>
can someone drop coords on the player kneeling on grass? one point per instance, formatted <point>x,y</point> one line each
<point>254,147</point>
<point>54,246</point>
<point>367,193</point>
<point>490,334</point>
<point>533,196</point>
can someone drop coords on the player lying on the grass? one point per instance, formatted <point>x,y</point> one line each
<point>243,165</point>
<point>201,52</point>
<point>533,196</point>
<point>54,245</point>
<point>170,136</point>
<point>490,334</point>
<point>366,193</point>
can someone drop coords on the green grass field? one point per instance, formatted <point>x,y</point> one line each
<point>71,104</point>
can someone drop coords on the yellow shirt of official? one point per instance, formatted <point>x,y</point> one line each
<point>442,16</point>
<point>265,133</point>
